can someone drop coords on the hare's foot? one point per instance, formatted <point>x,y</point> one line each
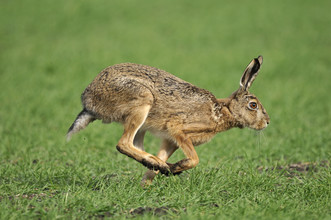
<point>148,160</point>
<point>180,166</point>
<point>154,163</point>
<point>166,150</point>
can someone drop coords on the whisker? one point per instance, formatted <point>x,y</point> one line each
<point>264,139</point>
<point>258,140</point>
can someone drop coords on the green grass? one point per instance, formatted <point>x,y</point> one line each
<point>51,50</point>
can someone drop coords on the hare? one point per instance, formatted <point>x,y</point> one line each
<point>144,98</point>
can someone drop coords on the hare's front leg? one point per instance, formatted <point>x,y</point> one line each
<point>192,158</point>
<point>166,150</point>
<point>132,123</point>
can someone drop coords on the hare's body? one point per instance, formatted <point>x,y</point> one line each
<point>144,98</point>
<point>175,105</point>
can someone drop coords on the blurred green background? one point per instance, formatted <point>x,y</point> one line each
<point>51,50</point>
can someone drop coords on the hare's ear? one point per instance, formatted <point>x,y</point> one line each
<point>250,73</point>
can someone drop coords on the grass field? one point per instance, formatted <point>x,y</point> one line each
<point>51,50</point>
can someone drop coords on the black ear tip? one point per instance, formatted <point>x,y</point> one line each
<point>257,65</point>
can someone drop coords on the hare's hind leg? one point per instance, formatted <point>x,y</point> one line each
<point>166,150</point>
<point>132,124</point>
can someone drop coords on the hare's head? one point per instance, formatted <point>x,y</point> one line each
<point>245,107</point>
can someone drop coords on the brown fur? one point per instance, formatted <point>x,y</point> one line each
<point>144,98</point>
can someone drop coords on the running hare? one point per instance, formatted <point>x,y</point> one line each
<point>144,98</point>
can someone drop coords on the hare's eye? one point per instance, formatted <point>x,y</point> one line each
<point>252,105</point>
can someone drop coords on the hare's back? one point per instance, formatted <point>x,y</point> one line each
<point>161,83</point>
<point>129,78</point>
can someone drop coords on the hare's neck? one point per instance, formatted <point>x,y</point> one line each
<point>226,120</point>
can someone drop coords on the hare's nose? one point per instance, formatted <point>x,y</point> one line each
<point>267,118</point>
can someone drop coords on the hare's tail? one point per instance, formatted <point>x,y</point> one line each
<point>82,120</point>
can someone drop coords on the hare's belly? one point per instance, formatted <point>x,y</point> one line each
<point>163,134</point>
<point>196,138</point>
<point>201,138</point>
<point>198,133</point>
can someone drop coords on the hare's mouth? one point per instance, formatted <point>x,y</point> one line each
<point>241,126</point>
<point>259,126</point>
<point>262,127</point>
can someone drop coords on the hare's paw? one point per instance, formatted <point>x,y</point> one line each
<point>179,167</point>
<point>154,163</point>
<point>174,168</point>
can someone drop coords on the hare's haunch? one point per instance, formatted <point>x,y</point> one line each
<point>144,98</point>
